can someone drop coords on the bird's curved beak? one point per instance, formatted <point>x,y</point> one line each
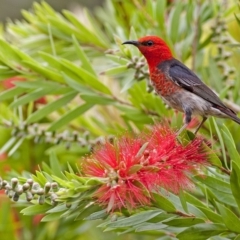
<point>135,43</point>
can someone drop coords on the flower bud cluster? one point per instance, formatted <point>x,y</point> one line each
<point>32,190</point>
<point>138,64</point>
<point>40,135</point>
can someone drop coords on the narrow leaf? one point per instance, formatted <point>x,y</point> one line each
<point>53,106</point>
<point>135,219</point>
<point>36,209</point>
<point>69,116</point>
<point>201,231</point>
<point>30,97</point>
<point>235,182</point>
<point>231,221</point>
<point>11,93</point>
<point>83,57</point>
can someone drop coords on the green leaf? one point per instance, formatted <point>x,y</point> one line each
<point>150,228</point>
<point>175,16</point>
<point>105,42</point>
<point>90,36</point>
<point>160,13</point>
<point>51,217</point>
<point>38,83</point>
<point>30,97</point>
<point>183,221</point>
<point>53,106</point>
<point>83,57</point>
<point>97,99</point>
<point>221,142</point>
<point>86,77</point>
<point>40,178</point>
<point>16,146</point>
<point>46,72</point>
<point>58,208</point>
<point>201,231</point>
<point>215,183</point>
<point>55,166</point>
<point>115,70</point>
<point>212,156</point>
<point>183,201</point>
<point>11,93</point>
<point>10,51</point>
<point>8,144</point>
<point>222,197</point>
<point>163,203</point>
<point>97,215</point>
<point>76,85</point>
<point>235,182</point>
<point>230,144</point>
<point>87,211</point>
<point>231,221</point>
<point>237,237</point>
<point>135,219</point>
<point>212,216</point>
<point>69,116</point>
<point>36,209</point>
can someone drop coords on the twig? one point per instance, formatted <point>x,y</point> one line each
<point>228,172</point>
<point>182,214</point>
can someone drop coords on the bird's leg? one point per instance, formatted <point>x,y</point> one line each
<point>200,125</point>
<point>187,120</point>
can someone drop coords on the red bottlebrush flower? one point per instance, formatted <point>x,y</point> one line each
<point>37,219</point>
<point>3,156</point>
<point>9,83</point>
<point>118,164</point>
<point>133,167</point>
<point>173,160</point>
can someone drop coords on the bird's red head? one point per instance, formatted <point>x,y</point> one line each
<point>154,49</point>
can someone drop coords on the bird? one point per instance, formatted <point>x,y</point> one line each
<point>179,86</point>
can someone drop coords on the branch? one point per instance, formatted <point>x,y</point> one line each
<point>39,134</point>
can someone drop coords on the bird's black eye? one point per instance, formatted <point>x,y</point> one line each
<point>149,43</point>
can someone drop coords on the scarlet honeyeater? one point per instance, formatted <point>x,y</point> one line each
<point>179,87</point>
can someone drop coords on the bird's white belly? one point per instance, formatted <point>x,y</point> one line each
<point>187,100</point>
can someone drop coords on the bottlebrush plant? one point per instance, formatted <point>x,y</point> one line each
<point>102,146</point>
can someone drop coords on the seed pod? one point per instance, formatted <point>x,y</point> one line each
<point>29,196</point>
<point>54,186</point>
<point>15,197</point>
<point>47,188</point>
<point>14,183</point>
<point>41,199</point>
<point>25,187</point>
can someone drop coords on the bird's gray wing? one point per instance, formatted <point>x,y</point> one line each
<point>184,77</point>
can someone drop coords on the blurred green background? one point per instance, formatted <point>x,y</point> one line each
<point>204,35</point>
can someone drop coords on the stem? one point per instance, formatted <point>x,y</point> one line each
<point>182,214</point>
<point>228,172</point>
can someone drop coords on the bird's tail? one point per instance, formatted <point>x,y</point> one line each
<point>231,114</point>
<point>235,119</point>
